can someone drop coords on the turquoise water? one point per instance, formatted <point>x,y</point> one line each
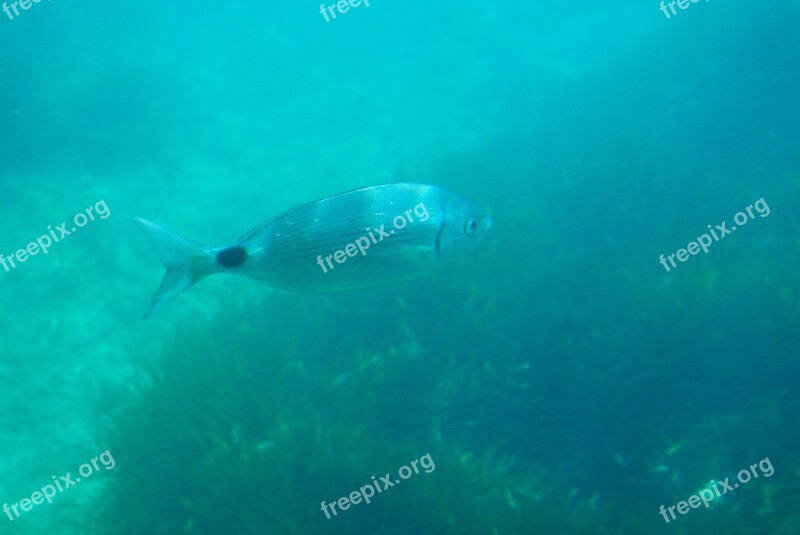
<point>563,377</point>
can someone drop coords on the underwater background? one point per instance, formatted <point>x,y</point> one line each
<point>560,378</point>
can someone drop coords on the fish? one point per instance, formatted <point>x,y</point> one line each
<point>364,238</point>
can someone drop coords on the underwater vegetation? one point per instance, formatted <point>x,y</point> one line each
<point>569,416</point>
<point>244,424</point>
<point>236,428</point>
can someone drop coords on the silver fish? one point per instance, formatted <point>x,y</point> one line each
<point>364,238</point>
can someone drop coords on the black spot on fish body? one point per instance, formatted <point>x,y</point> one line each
<point>232,256</point>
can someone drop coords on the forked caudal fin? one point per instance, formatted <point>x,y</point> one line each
<point>187,261</point>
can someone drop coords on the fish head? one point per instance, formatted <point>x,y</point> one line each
<point>463,227</point>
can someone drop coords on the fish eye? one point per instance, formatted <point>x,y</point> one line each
<point>470,226</point>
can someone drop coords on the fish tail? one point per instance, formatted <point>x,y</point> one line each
<point>187,261</point>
